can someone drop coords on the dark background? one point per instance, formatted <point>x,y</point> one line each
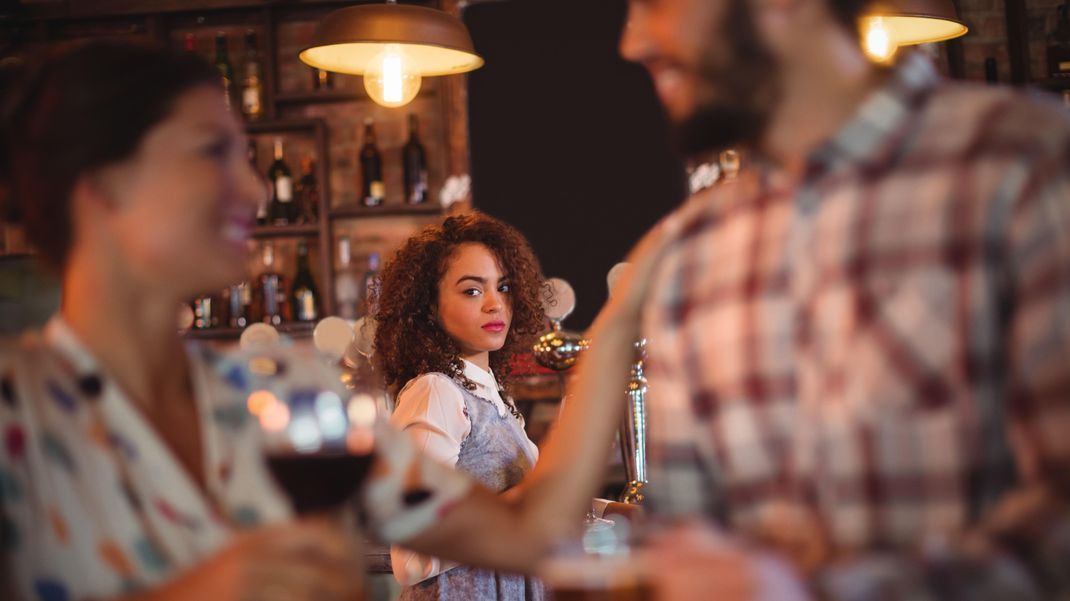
<point>568,141</point>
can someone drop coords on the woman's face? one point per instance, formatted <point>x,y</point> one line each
<point>474,304</point>
<point>186,201</point>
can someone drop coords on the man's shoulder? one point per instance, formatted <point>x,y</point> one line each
<point>979,121</point>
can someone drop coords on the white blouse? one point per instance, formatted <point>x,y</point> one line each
<point>431,410</point>
<point>93,504</point>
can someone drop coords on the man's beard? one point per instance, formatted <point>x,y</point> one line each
<point>736,94</point>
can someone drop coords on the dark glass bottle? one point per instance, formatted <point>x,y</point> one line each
<point>991,71</point>
<point>414,161</point>
<point>304,298</point>
<point>282,189</point>
<point>308,191</point>
<point>270,295</point>
<point>252,93</point>
<point>372,191</point>
<point>226,71</point>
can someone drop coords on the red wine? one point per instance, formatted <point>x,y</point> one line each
<point>318,483</point>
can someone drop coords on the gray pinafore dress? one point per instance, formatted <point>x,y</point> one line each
<point>495,454</point>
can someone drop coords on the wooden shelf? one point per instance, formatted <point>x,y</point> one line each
<point>296,329</point>
<point>288,125</point>
<point>109,8</point>
<point>386,210</point>
<point>1055,84</point>
<point>326,96</point>
<point>285,231</point>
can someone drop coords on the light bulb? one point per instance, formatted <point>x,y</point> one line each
<point>878,42</point>
<point>390,77</point>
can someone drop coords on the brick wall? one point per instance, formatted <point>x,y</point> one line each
<point>988,35</point>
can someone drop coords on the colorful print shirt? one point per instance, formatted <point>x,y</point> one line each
<point>94,505</point>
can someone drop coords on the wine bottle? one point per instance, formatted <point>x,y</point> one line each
<point>226,71</point>
<point>991,71</point>
<point>262,205</point>
<point>239,299</point>
<point>282,188</point>
<point>271,299</point>
<point>308,192</point>
<point>322,79</point>
<point>369,291</point>
<point>252,88</point>
<point>1059,44</point>
<point>414,160</point>
<point>205,312</point>
<point>347,293</point>
<point>303,296</point>
<point>373,190</point>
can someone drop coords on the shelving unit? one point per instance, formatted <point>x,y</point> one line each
<point>290,108</point>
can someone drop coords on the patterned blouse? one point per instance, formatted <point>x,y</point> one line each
<point>93,504</point>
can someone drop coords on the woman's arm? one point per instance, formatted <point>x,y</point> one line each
<point>515,533</point>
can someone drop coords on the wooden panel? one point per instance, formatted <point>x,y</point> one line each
<point>1017,41</point>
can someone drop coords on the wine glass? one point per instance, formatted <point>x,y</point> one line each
<point>318,436</point>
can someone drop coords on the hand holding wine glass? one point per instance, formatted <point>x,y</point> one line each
<point>318,436</point>
<point>307,560</point>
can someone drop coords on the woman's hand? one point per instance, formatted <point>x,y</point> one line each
<point>311,560</point>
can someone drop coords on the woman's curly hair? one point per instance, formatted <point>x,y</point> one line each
<point>408,339</point>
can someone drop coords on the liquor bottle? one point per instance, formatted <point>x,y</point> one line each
<point>303,296</point>
<point>270,295</point>
<point>346,289</point>
<point>262,206</point>
<point>308,192</point>
<point>226,71</point>
<point>991,71</point>
<point>322,79</point>
<point>282,189</point>
<point>252,92</point>
<point>1059,44</point>
<point>205,312</point>
<point>239,300</point>
<point>369,291</point>
<point>414,159</point>
<point>373,190</point>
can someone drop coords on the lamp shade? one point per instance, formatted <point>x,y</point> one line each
<point>910,22</point>
<point>349,38</point>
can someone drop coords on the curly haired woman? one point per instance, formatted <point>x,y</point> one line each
<point>455,304</point>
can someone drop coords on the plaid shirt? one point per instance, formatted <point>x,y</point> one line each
<point>880,335</point>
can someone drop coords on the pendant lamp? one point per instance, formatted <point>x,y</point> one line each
<point>888,25</point>
<point>394,46</point>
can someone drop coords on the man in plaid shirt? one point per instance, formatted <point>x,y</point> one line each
<point>859,350</point>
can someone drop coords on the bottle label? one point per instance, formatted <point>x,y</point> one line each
<point>284,189</point>
<point>378,190</point>
<point>304,305</point>
<point>1064,67</point>
<point>251,100</point>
